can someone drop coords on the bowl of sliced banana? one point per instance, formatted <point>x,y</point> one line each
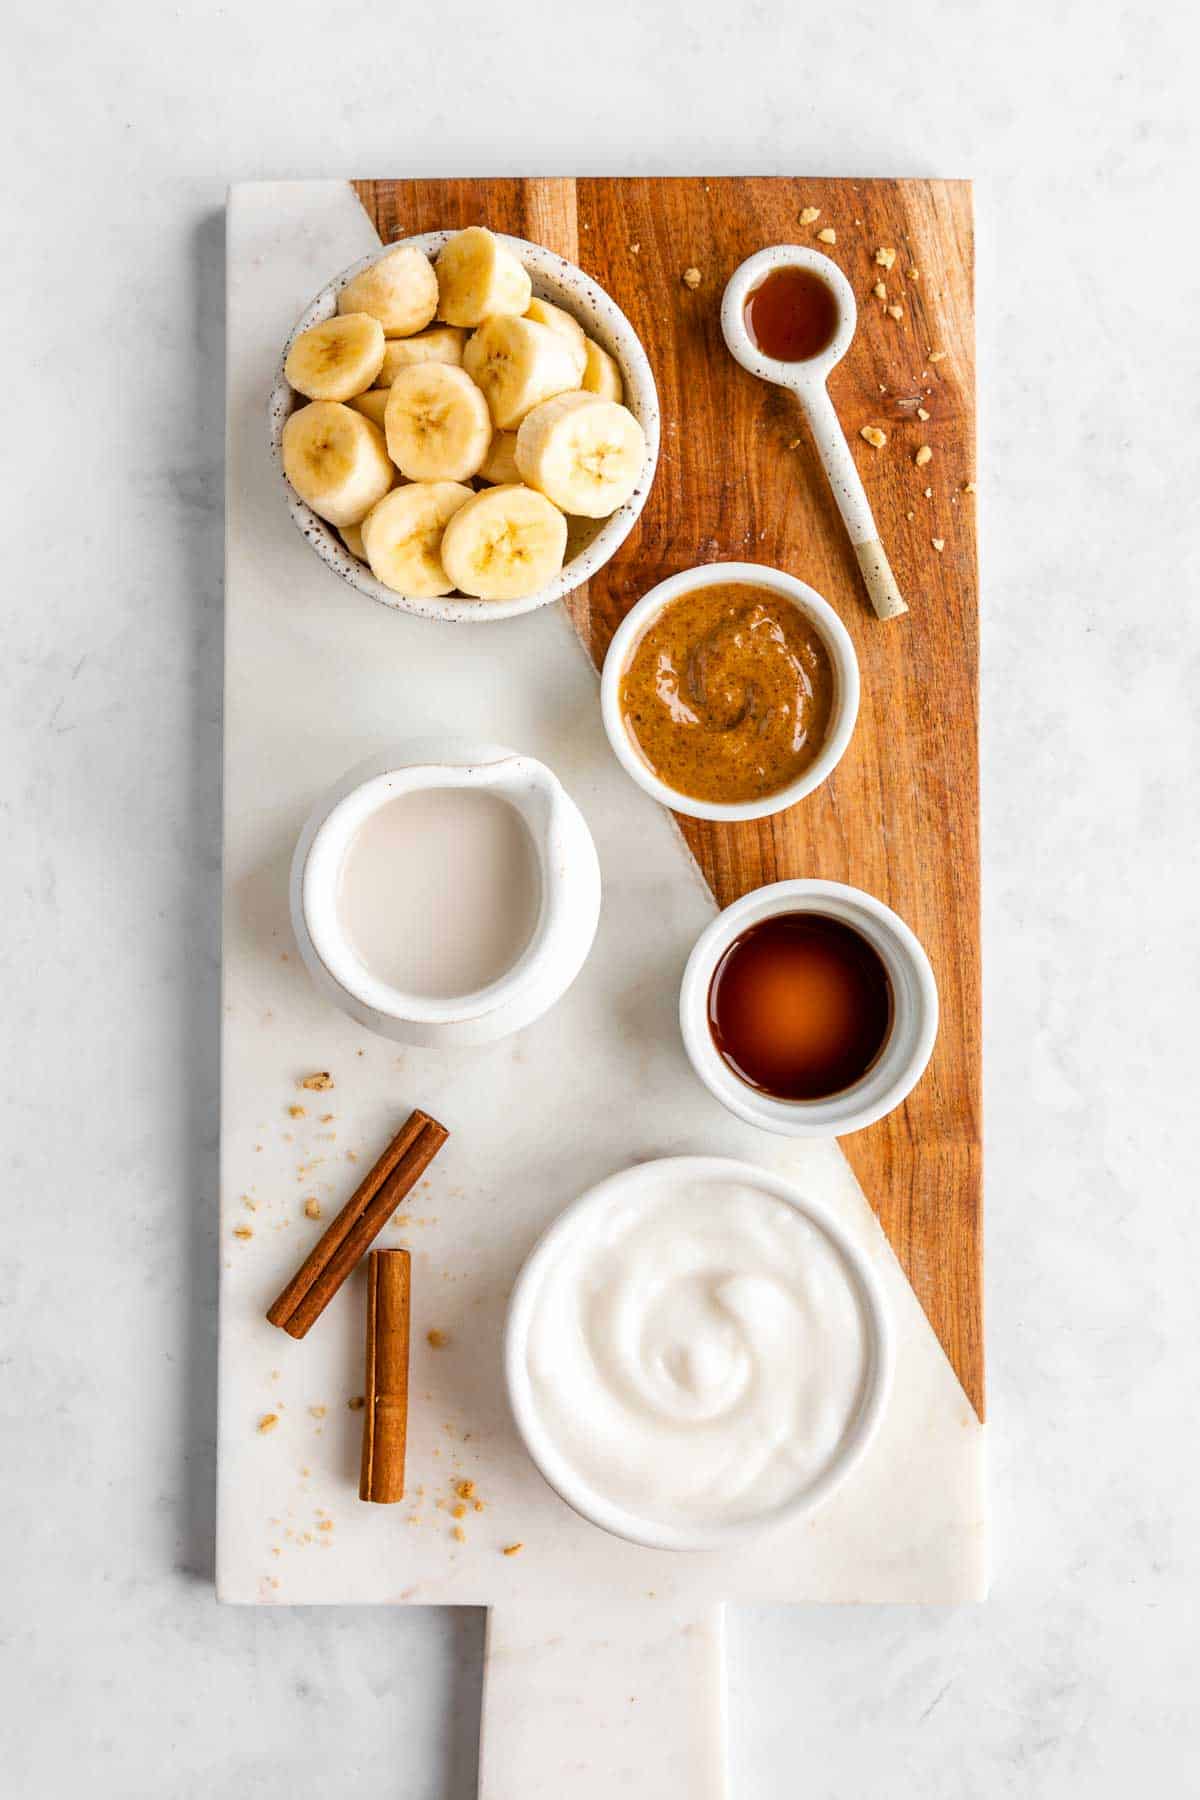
<point>466,426</point>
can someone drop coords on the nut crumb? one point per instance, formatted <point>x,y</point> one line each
<point>312,1209</point>
<point>885,257</point>
<point>318,1412</point>
<point>297,1112</point>
<point>895,312</point>
<point>968,487</point>
<point>794,444</point>
<point>357,1402</point>
<point>634,248</point>
<point>827,235</point>
<point>880,290</point>
<point>243,1232</point>
<point>937,356</point>
<point>939,544</point>
<point>438,1340</point>
<point>914,274</point>
<point>876,438</point>
<point>809,215</point>
<point>692,278</point>
<point>268,1422</point>
<point>910,515</point>
<point>924,455</point>
<point>513,1549</point>
<point>922,414</point>
<point>317,1083</point>
<point>928,493</point>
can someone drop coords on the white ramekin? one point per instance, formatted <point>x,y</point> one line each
<point>591,542</point>
<point>819,613</point>
<point>910,1041</point>
<point>558,1472</point>
<point>569,873</point>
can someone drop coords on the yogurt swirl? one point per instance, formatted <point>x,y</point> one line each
<point>698,1354</point>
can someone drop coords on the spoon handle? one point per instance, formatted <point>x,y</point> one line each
<point>855,508</point>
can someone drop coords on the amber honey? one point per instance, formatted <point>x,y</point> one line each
<point>792,315</point>
<point>800,1006</point>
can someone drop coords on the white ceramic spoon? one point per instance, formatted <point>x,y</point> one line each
<point>807,381</point>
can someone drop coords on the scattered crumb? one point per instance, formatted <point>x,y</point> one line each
<point>939,544</point>
<point>478,1505</point>
<point>968,487</point>
<point>692,278</point>
<point>297,1112</point>
<point>437,1340</point>
<point>513,1549</point>
<point>885,257</point>
<point>312,1209</point>
<point>937,356</point>
<point>895,312</point>
<point>243,1232</point>
<point>317,1083</point>
<point>910,515</point>
<point>827,235</point>
<point>880,290</point>
<point>928,493</point>
<point>634,248</point>
<point>459,1511</point>
<point>352,1156</point>
<point>318,1412</point>
<point>809,215</point>
<point>876,438</point>
<point>325,1525</point>
<point>465,1490</point>
<point>460,1535</point>
<point>268,1422</point>
<point>922,414</point>
<point>328,1118</point>
<point>794,444</point>
<point>924,455</point>
<point>357,1402</point>
<point>249,1204</point>
<point>914,274</point>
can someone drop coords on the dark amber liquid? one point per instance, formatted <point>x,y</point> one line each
<point>800,1006</point>
<point>792,315</point>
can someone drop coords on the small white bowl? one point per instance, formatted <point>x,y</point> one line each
<point>609,1515</point>
<point>591,542</point>
<point>569,873</point>
<point>910,1042</point>
<point>834,636</point>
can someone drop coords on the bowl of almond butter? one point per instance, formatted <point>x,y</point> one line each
<point>465,424</point>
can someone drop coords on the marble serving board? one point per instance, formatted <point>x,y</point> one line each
<point>590,1639</point>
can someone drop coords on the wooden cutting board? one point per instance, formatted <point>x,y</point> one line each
<point>738,479</point>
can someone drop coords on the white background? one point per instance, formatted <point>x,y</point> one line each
<point>124,124</point>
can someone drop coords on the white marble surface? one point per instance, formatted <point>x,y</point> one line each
<point>1077,1677</point>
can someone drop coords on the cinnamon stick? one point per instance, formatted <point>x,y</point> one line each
<point>360,1221</point>
<point>385,1414</point>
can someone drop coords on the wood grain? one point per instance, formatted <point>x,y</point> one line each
<point>739,479</point>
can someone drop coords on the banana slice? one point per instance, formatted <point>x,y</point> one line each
<point>371,405</point>
<point>499,466</point>
<point>518,364</point>
<point>336,460</point>
<point>400,290</point>
<point>438,425</point>
<point>505,543</point>
<point>478,277</point>
<point>337,359</point>
<point>440,344</point>
<point>403,533</point>
<point>601,374</point>
<point>584,453</point>
<point>352,537</point>
<point>555,319</point>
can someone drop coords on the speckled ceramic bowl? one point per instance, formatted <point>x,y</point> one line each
<point>590,542</point>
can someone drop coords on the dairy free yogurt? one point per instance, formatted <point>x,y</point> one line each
<point>698,1351</point>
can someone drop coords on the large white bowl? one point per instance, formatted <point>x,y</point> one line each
<point>590,542</point>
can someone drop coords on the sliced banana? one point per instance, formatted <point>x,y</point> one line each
<point>336,460</point>
<point>584,453</point>
<point>403,533</point>
<point>438,425</point>
<point>499,466</point>
<point>336,359</point>
<point>371,405</point>
<point>601,374</point>
<point>518,364</point>
<point>477,277</point>
<point>352,537</point>
<point>555,319</point>
<point>440,344</point>
<point>400,290</point>
<point>504,544</point>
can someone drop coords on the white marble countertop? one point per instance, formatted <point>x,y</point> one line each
<point>1077,1677</point>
